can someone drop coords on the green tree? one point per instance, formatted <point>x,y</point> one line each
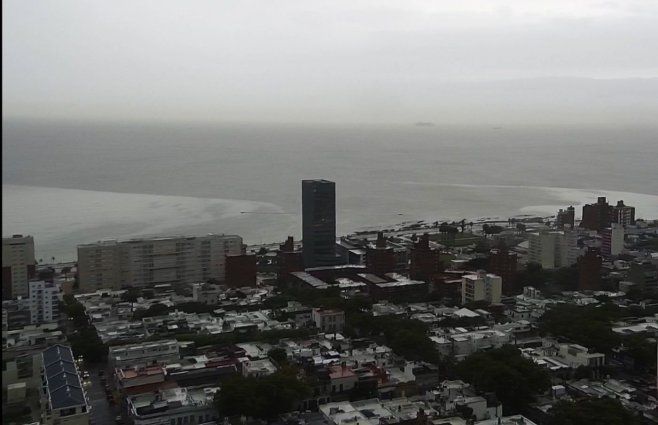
<point>131,295</point>
<point>84,340</point>
<point>157,309</point>
<point>278,355</point>
<point>514,379</point>
<point>586,325</point>
<point>262,398</point>
<point>407,338</point>
<point>591,411</point>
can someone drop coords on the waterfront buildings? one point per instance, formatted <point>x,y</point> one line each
<point>597,216</point>
<point>319,223</point>
<point>153,261</point>
<point>18,265</point>
<point>481,287</point>
<point>424,263</point>
<point>380,258</point>
<point>288,260</point>
<point>565,218</point>
<point>623,214</point>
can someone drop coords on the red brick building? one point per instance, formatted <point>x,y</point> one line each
<point>597,216</point>
<point>241,270</point>
<point>288,260</point>
<point>589,271</point>
<point>380,259</point>
<point>425,261</point>
<point>503,263</point>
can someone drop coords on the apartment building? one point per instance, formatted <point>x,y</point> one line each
<point>63,400</point>
<point>149,262</point>
<point>44,302</point>
<point>612,240</point>
<point>623,214</point>
<point>553,250</point>
<point>481,287</point>
<point>145,354</point>
<point>18,265</point>
<point>328,320</point>
<point>180,405</point>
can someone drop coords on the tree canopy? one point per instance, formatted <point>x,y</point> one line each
<point>84,340</point>
<point>514,379</point>
<point>406,337</point>
<point>262,398</point>
<point>586,325</point>
<point>591,411</point>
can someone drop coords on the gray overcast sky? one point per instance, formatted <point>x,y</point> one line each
<point>486,61</point>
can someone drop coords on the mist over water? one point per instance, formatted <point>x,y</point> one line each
<point>71,183</point>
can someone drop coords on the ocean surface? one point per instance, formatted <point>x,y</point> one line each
<point>67,183</point>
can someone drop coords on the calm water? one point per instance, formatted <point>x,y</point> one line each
<point>75,183</point>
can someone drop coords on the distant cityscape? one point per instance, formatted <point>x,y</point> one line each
<point>485,322</point>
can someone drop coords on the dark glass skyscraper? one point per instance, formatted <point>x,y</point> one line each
<point>319,223</point>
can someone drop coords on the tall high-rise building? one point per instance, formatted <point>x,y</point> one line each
<point>319,223</point>
<point>597,216</point>
<point>18,265</point>
<point>623,214</point>
<point>553,249</point>
<point>148,262</point>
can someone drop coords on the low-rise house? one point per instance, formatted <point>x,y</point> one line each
<point>342,378</point>
<point>178,405</point>
<point>145,354</point>
<point>207,293</point>
<point>461,343</point>
<point>329,320</point>
<point>576,355</point>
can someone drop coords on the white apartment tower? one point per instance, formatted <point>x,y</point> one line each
<point>481,287</point>
<point>553,249</point>
<point>18,265</point>
<point>612,240</point>
<point>44,302</point>
<point>148,262</point>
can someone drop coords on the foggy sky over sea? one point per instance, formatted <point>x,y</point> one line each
<point>484,61</point>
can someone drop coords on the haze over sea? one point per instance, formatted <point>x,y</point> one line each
<point>72,183</point>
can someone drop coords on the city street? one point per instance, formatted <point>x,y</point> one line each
<point>101,412</point>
